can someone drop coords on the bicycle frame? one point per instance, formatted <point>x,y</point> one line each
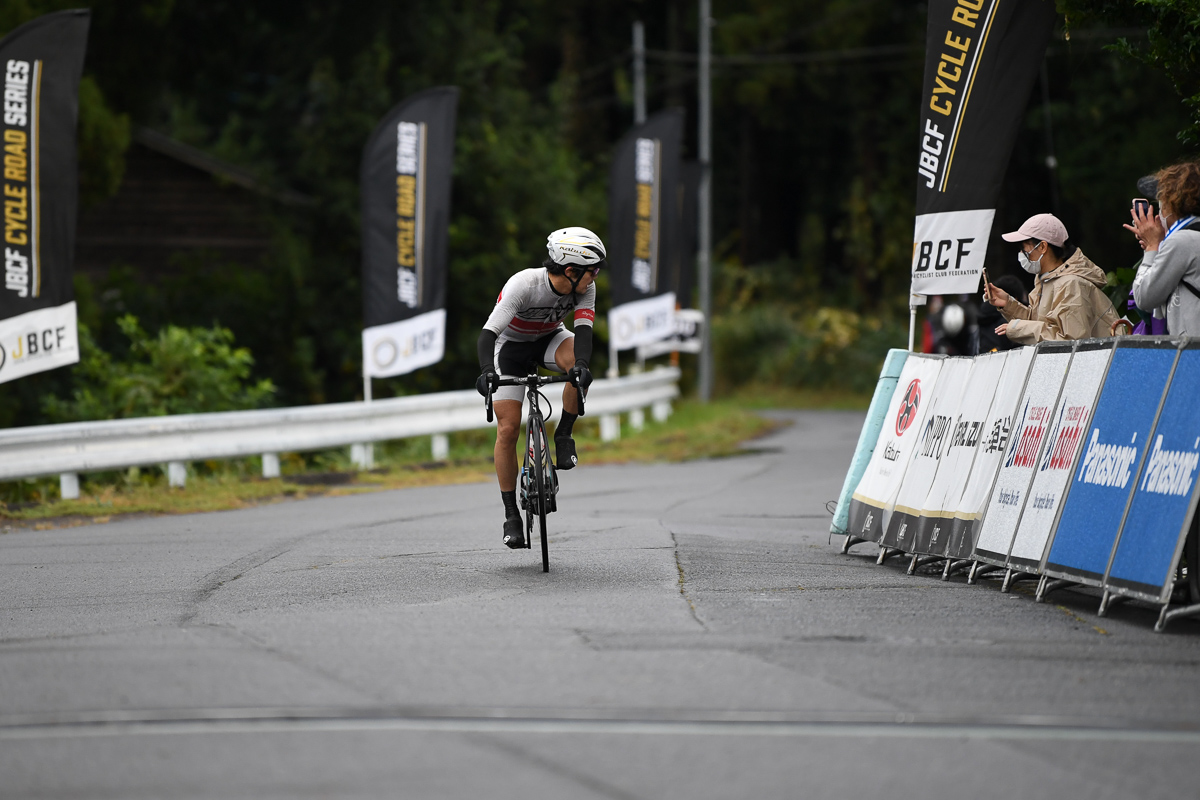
<point>538,478</point>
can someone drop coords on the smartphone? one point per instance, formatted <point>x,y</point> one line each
<point>986,282</point>
<point>1141,203</point>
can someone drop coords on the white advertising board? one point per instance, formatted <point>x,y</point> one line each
<point>872,502</point>
<point>38,340</point>
<point>967,510</point>
<point>401,347</point>
<point>642,321</point>
<point>1070,422</point>
<point>937,433</point>
<point>970,426</point>
<point>1034,415</point>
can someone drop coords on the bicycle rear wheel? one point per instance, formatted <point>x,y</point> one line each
<point>542,485</point>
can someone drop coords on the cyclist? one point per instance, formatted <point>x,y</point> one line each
<point>525,331</point>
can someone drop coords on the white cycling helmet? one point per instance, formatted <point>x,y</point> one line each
<point>575,247</point>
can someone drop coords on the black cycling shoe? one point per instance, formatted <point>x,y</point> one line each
<point>564,453</point>
<point>514,536</point>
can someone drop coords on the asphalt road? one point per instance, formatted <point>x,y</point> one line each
<point>696,637</point>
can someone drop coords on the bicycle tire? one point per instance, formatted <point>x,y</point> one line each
<point>539,460</point>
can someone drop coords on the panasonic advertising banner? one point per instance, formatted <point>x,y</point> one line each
<point>405,190</point>
<point>937,437</point>
<point>1034,416</point>
<point>1110,458</point>
<point>1063,444</point>
<point>42,62</point>
<point>997,432</point>
<point>872,502</point>
<point>644,230</point>
<point>981,58</point>
<point>934,524</point>
<point>1165,492</point>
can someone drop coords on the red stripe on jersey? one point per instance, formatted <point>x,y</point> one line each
<point>585,313</point>
<point>524,326</point>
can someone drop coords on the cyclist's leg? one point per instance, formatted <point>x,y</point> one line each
<point>508,428</point>
<point>513,359</point>
<point>564,359</point>
<point>564,445</point>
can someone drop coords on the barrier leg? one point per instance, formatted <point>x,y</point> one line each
<point>68,485</point>
<point>954,567</point>
<point>850,542</point>
<point>660,410</point>
<point>979,570</point>
<point>441,447</point>
<point>1179,613</point>
<point>886,552</point>
<point>270,465</point>
<point>176,474</point>
<point>920,561</point>
<point>637,419</point>
<point>1108,601</point>
<point>610,428</point>
<point>1046,586</point>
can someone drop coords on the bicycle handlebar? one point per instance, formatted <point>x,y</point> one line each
<point>531,380</point>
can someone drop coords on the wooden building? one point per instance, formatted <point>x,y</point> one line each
<point>175,199</point>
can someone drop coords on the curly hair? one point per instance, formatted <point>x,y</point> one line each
<point>1179,188</point>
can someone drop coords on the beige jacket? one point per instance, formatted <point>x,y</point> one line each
<point>1066,303</point>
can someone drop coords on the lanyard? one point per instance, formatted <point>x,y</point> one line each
<point>1182,223</point>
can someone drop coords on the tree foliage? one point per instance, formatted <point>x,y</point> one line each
<point>179,371</point>
<point>814,180</point>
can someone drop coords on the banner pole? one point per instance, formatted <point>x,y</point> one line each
<point>639,73</point>
<point>704,199</point>
<point>912,325</point>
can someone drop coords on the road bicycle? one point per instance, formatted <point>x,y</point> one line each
<point>538,482</point>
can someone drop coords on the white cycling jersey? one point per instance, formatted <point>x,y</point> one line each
<point>528,308</point>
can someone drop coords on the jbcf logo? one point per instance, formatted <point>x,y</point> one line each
<point>36,343</point>
<point>945,249</point>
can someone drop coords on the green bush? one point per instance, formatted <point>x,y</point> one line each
<point>179,371</point>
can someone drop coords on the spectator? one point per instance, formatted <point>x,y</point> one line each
<point>1067,301</point>
<point>1168,281</point>
<point>990,317</point>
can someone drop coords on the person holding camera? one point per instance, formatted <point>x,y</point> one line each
<point>1168,281</point>
<point>1067,301</point>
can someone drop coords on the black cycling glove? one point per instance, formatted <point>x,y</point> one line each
<point>485,384</point>
<point>580,375</point>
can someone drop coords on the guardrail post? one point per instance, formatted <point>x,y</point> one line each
<point>661,410</point>
<point>362,455</point>
<point>68,485</point>
<point>610,428</point>
<point>270,465</point>
<point>176,474</point>
<point>441,447</point>
<point>637,418</point>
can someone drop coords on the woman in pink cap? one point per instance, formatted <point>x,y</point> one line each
<point>1067,301</point>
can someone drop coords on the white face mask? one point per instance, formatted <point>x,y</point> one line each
<point>1029,265</point>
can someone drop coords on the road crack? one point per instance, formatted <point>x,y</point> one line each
<point>683,587</point>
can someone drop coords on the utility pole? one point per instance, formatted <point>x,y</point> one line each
<point>704,200</point>
<point>639,73</point>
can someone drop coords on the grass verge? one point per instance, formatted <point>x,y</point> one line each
<point>694,430</point>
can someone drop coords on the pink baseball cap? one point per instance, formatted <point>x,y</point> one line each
<point>1043,227</point>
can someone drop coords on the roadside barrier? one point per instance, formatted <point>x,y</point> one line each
<point>67,450</point>
<point>892,365</point>
<point>1071,462</point>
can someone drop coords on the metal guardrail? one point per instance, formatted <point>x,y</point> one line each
<point>72,448</point>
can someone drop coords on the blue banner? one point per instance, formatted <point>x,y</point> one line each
<point>1109,458</point>
<point>1165,492</point>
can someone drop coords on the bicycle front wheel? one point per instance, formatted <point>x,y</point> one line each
<point>541,481</point>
